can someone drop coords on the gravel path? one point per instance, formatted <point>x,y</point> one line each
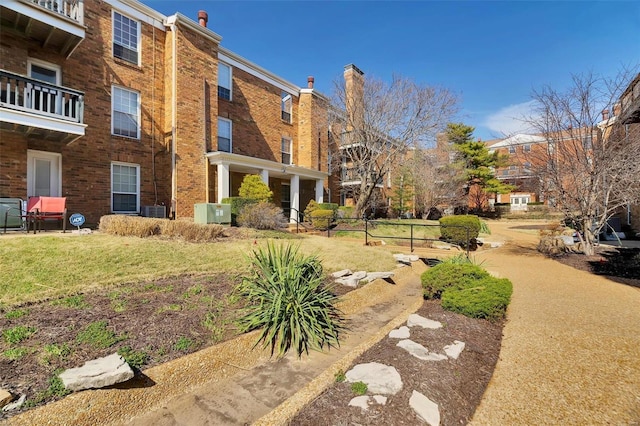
<point>571,347</point>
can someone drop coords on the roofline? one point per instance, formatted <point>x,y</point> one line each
<point>190,24</point>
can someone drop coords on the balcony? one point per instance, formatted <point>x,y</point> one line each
<point>631,103</point>
<point>351,176</point>
<point>55,24</point>
<point>350,139</point>
<point>41,110</point>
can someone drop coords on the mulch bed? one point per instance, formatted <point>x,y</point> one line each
<point>455,385</point>
<point>619,264</point>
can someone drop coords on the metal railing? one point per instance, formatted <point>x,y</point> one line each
<point>73,9</point>
<point>25,94</point>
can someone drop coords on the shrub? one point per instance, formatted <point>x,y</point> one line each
<point>453,229</point>
<point>321,219</point>
<point>253,187</point>
<point>344,212</point>
<point>286,297</point>
<point>237,204</point>
<point>135,226</point>
<point>439,278</point>
<point>328,206</point>
<point>262,216</point>
<point>486,298</point>
<point>308,211</point>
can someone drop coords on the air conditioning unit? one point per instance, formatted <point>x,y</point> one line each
<point>154,211</point>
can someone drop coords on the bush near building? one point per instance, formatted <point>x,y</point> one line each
<point>453,229</point>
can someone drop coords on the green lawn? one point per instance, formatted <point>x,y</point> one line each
<point>35,268</point>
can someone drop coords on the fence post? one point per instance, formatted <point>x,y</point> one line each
<point>411,238</point>
<point>366,232</point>
<point>468,241</point>
<point>328,230</point>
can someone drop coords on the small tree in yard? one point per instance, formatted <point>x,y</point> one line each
<point>589,166</point>
<point>381,122</point>
<point>253,187</point>
<point>476,165</point>
<point>403,193</point>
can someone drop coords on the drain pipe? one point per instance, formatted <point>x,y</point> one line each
<point>171,21</point>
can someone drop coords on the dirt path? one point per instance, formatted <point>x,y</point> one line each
<point>571,347</point>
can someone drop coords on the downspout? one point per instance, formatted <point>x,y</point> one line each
<point>174,73</point>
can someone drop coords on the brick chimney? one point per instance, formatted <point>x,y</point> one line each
<point>605,114</point>
<point>310,81</point>
<point>203,18</point>
<point>354,96</point>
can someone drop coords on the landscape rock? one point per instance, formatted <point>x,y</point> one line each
<point>342,273</point>
<point>379,378</point>
<point>419,351</point>
<point>417,320</point>
<point>406,258</point>
<point>360,401</point>
<point>15,405</point>
<point>426,409</point>
<point>400,333</point>
<point>382,400</point>
<point>97,373</point>
<point>5,397</point>
<point>372,276</point>
<point>454,350</point>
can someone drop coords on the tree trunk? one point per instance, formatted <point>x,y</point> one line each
<point>589,238</point>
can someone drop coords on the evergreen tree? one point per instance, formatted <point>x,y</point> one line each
<point>253,187</point>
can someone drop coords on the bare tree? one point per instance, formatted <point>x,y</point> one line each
<point>589,165</point>
<point>380,122</point>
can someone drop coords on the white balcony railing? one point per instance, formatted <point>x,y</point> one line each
<point>43,99</point>
<point>72,9</point>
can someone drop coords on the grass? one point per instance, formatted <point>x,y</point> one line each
<point>52,267</point>
<point>98,335</point>
<point>17,334</point>
<point>76,302</point>
<point>14,354</point>
<point>183,344</point>
<point>55,352</point>
<point>15,314</point>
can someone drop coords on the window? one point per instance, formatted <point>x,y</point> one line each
<point>224,135</point>
<point>224,81</point>
<point>126,36</point>
<point>527,148</point>
<point>125,188</point>
<point>587,142</point>
<point>512,149</point>
<point>285,106</point>
<point>286,150</point>
<point>125,112</point>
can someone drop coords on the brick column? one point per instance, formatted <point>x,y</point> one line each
<point>223,181</point>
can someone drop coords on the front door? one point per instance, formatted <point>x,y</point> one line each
<point>43,174</point>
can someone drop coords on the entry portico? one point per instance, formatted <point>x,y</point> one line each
<point>293,186</point>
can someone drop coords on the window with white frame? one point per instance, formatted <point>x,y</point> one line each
<point>286,104</point>
<point>512,149</point>
<point>526,148</point>
<point>125,112</point>
<point>126,38</point>
<point>224,134</point>
<point>225,82</point>
<point>125,188</point>
<point>286,150</point>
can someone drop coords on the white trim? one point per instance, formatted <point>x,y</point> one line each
<point>138,36</point>
<point>238,61</point>
<point>140,12</point>
<point>179,18</point>
<point>230,133</point>
<point>56,160</point>
<point>43,122</point>
<point>290,152</point>
<point>27,8</point>
<point>138,115</point>
<point>138,180</point>
<point>315,93</point>
<point>47,65</point>
<point>220,157</point>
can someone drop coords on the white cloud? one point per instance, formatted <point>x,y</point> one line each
<point>510,120</point>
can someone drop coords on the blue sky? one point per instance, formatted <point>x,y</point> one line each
<point>492,53</point>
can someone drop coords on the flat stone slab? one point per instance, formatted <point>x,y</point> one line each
<point>406,258</point>
<point>417,320</point>
<point>342,273</point>
<point>454,350</point>
<point>419,351</point>
<point>372,276</point>
<point>379,378</point>
<point>400,333</point>
<point>365,401</point>
<point>5,397</point>
<point>16,404</point>
<point>97,373</point>
<point>426,409</point>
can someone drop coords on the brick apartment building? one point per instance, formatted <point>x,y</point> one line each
<point>118,107</point>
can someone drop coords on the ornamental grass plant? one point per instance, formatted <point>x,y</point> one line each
<point>287,299</point>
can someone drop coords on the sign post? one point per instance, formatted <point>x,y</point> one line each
<point>77,220</point>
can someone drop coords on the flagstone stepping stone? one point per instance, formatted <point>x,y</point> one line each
<point>379,378</point>
<point>342,273</point>
<point>365,401</point>
<point>454,350</point>
<point>426,409</point>
<point>400,333</point>
<point>16,404</point>
<point>97,373</point>
<point>419,351</point>
<point>417,320</point>
<point>406,258</point>
<point>372,276</point>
